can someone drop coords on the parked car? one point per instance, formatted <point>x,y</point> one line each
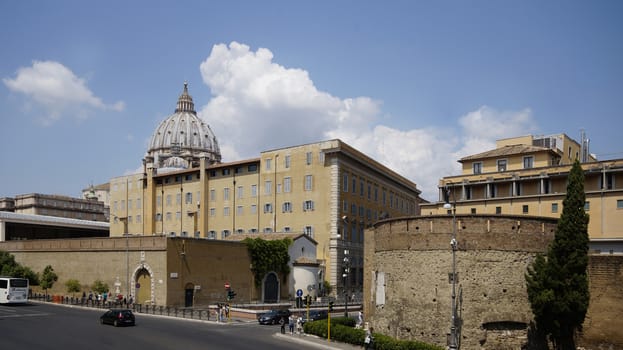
<point>274,316</point>
<point>315,315</point>
<point>118,317</point>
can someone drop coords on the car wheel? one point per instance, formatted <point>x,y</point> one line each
<point>115,323</point>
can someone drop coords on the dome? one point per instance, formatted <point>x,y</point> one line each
<point>182,136</point>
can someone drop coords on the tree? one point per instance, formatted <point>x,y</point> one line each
<point>99,287</point>
<point>73,286</point>
<point>268,256</point>
<point>558,284</point>
<point>48,277</point>
<point>9,267</point>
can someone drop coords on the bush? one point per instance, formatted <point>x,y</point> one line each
<point>342,330</point>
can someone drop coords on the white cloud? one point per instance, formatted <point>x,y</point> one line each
<point>261,105</point>
<point>58,90</point>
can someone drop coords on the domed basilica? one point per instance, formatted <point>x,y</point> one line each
<point>182,139</point>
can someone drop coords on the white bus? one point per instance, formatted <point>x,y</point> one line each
<point>13,290</point>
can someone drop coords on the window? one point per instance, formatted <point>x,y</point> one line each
<point>268,185</point>
<point>267,230</point>
<point>287,184</point>
<point>619,203</point>
<point>286,207</point>
<point>345,182</point>
<point>178,215</point>
<point>158,217</point>
<point>468,192</point>
<point>477,167</point>
<point>169,216</point>
<point>308,205</point>
<point>138,203</point>
<point>345,206</point>
<point>212,195</point>
<point>554,207</point>
<point>226,211</point>
<point>493,190</point>
<point>212,211</point>
<point>361,188</point>
<point>226,194</point>
<point>178,199</point>
<point>129,204</point>
<point>240,192</point>
<point>287,229</point>
<point>354,187</point>
<point>524,209</point>
<point>225,233</point>
<point>308,157</point>
<point>253,190</point>
<point>309,231</point>
<point>168,200</point>
<point>239,210</point>
<point>528,162</point>
<point>138,219</point>
<point>498,210</point>
<point>238,170</point>
<point>286,161</point>
<point>606,182</point>
<point>189,198</point>
<point>212,235</point>
<point>308,182</point>
<point>587,205</point>
<point>501,164</point>
<point>226,171</point>
<point>252,168</point>
<point>268,161</point>
<point>268,208</point>
<point>547,185</point>
<point>473,210</point>
<point>252,230</point>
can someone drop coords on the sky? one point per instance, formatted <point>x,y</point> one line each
<point>416,85</point>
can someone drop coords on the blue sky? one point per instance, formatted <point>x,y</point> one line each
<point>414,84</point>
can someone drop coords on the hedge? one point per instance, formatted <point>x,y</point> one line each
<point>342,330</point>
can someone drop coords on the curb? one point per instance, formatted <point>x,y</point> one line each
<point>312,341</point>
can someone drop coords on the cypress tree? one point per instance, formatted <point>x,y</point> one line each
<point>558,285</point>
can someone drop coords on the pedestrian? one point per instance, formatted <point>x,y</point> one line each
<point>299,325</point>
<point>359,320</point>
<point>368,342</point>
<point>282,322</point>
<point>291,324</point>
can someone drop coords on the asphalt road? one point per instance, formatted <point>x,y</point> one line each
<point>55,327</point>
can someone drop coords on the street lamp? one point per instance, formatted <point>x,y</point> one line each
<point>453,343</point>
<point>346,266</point>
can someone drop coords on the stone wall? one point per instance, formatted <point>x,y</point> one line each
<point>415,259</point>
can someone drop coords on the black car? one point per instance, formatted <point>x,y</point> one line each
<point>274,316</point>
<point>315,315</point>
<point>118,317</point>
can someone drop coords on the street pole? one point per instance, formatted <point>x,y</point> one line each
<point>453,343</point>
<point>346,281</point>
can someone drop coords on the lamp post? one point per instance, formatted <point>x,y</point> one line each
<point>346,266</point>
<point>453,342</point>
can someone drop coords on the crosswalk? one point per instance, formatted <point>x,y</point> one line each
<point>19,311</point>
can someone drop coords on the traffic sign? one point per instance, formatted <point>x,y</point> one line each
<point>299,292</point>
<point>227,285</point>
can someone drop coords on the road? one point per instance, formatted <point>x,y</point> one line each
<point>56,327</point>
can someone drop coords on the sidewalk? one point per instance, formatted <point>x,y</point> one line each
<point>314,341</point>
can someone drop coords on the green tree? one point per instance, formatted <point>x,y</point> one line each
<point>268,256</point>
<point>48,277</point>
<point>9,267</point>
<point>73,286</point>
<point>99,287</point>
<point>558,284</point>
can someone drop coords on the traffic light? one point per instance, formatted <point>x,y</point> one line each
<point>308,300</point>
<point>230,294</point>
<point>330,306</point>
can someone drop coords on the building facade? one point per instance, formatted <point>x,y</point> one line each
<point>56,205</point>
<point>528,176</point>
<point>326,190</point>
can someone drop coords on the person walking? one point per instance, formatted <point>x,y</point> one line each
<point>368,342</point>
<point>299,325</point>
<point>282,323</point>
<point>291,324</point>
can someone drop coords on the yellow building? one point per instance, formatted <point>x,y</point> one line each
<point>327,190</point>
<point>528,176</point>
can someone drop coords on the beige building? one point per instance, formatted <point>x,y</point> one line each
<point>528,176</point>
<point>326,190</point>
